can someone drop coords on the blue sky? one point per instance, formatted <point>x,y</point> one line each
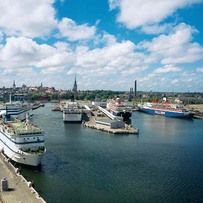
<point>107,44</point>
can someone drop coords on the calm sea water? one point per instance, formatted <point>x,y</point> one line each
<point>164,163</point>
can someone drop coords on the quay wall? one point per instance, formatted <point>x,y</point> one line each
<point>19,189</point>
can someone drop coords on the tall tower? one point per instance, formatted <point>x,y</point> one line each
<point>75,86</point>
<point>14,85</point>
<point>135,89</point>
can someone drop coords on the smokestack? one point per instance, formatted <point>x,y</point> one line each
<point>135,88</point>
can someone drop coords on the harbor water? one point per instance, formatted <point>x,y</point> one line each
<point>164,163</point>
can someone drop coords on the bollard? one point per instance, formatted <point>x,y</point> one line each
<point>4,184</point>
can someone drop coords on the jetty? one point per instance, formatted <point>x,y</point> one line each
<point>197,109</point>
<point>14,187</point>
<point>101,119</point>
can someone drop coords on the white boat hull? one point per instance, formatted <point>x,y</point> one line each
<point>9,147</point>
<point>72,112</point>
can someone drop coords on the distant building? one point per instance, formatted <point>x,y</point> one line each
<point>75,86</point>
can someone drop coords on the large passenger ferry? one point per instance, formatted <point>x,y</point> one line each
<point>117,108</point>
<point>16,110</point>
<point>72,112</point>
<point>166,109</point>
<point>22,142</point>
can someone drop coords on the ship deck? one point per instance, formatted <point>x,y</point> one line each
<point>23,128</point>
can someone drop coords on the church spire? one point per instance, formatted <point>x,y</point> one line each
<point>75,86</point>
<point>14,85</point>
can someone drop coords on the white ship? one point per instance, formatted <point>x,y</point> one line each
<point>72,112</point>
<point>16,110</point>
<point>22,142</point>
<point>117,108</point>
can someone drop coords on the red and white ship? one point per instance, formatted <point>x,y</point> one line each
<point>117,108</point>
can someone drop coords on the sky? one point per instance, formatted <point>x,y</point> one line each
<point>105,44</point>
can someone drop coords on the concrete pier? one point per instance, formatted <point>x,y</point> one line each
<point>19,189</point>
<point>126,130</point>
<point>103,123</point>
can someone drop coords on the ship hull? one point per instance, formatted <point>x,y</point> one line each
<point>11,149</point>
<point>72,112</point>
<point>171,114</point>
<point>70,117</point>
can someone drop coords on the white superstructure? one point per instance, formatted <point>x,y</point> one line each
<point>72,112</point>
<point>22,142</point>
<point>16,110</point>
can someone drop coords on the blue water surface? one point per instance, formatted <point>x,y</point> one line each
<point>164,163</point>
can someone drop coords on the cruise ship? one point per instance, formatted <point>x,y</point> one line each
<point>72,112</point>
<point>117,108</point>
<point>16,110</point>
<point>166,109</point>
<point>22,142</point>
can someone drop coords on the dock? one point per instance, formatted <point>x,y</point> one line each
<point>99,118</point>
<point>102,120</point>
<point>18,189</point>
<point>197,109</point>
<point>126,130</point>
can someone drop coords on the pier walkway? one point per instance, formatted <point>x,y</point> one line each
<point>19,190</point>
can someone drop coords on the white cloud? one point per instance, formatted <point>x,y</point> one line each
<point>62,46</point>
<point>175,81</point>
<point>24,52</point>
<point>1,36</point>
<point>167,69</point>
<point>176,47</point>
<point>52,70</point>
<point>156,29</point>
<point>200,70</point>
<point>101,57</point>
<point>69,28</point>
<point>114,4</point>
<point>134,70</point>
<point>136,13</point>
<point>110,59</point>
<point>27,17</point>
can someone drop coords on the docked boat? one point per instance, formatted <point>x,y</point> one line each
<point>117,108</point>
<point>16,110</point>
<point>166,109</point>
<point>22,142</point>
<point>72,112</point>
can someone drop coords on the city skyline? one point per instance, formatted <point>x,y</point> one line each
<point>107,44</point>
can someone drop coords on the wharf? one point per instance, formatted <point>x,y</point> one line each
<point>94,123</point>
<point>197,109</point>
<point>126,130</point>
<point>37,105</point>
<point>19,190</point>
